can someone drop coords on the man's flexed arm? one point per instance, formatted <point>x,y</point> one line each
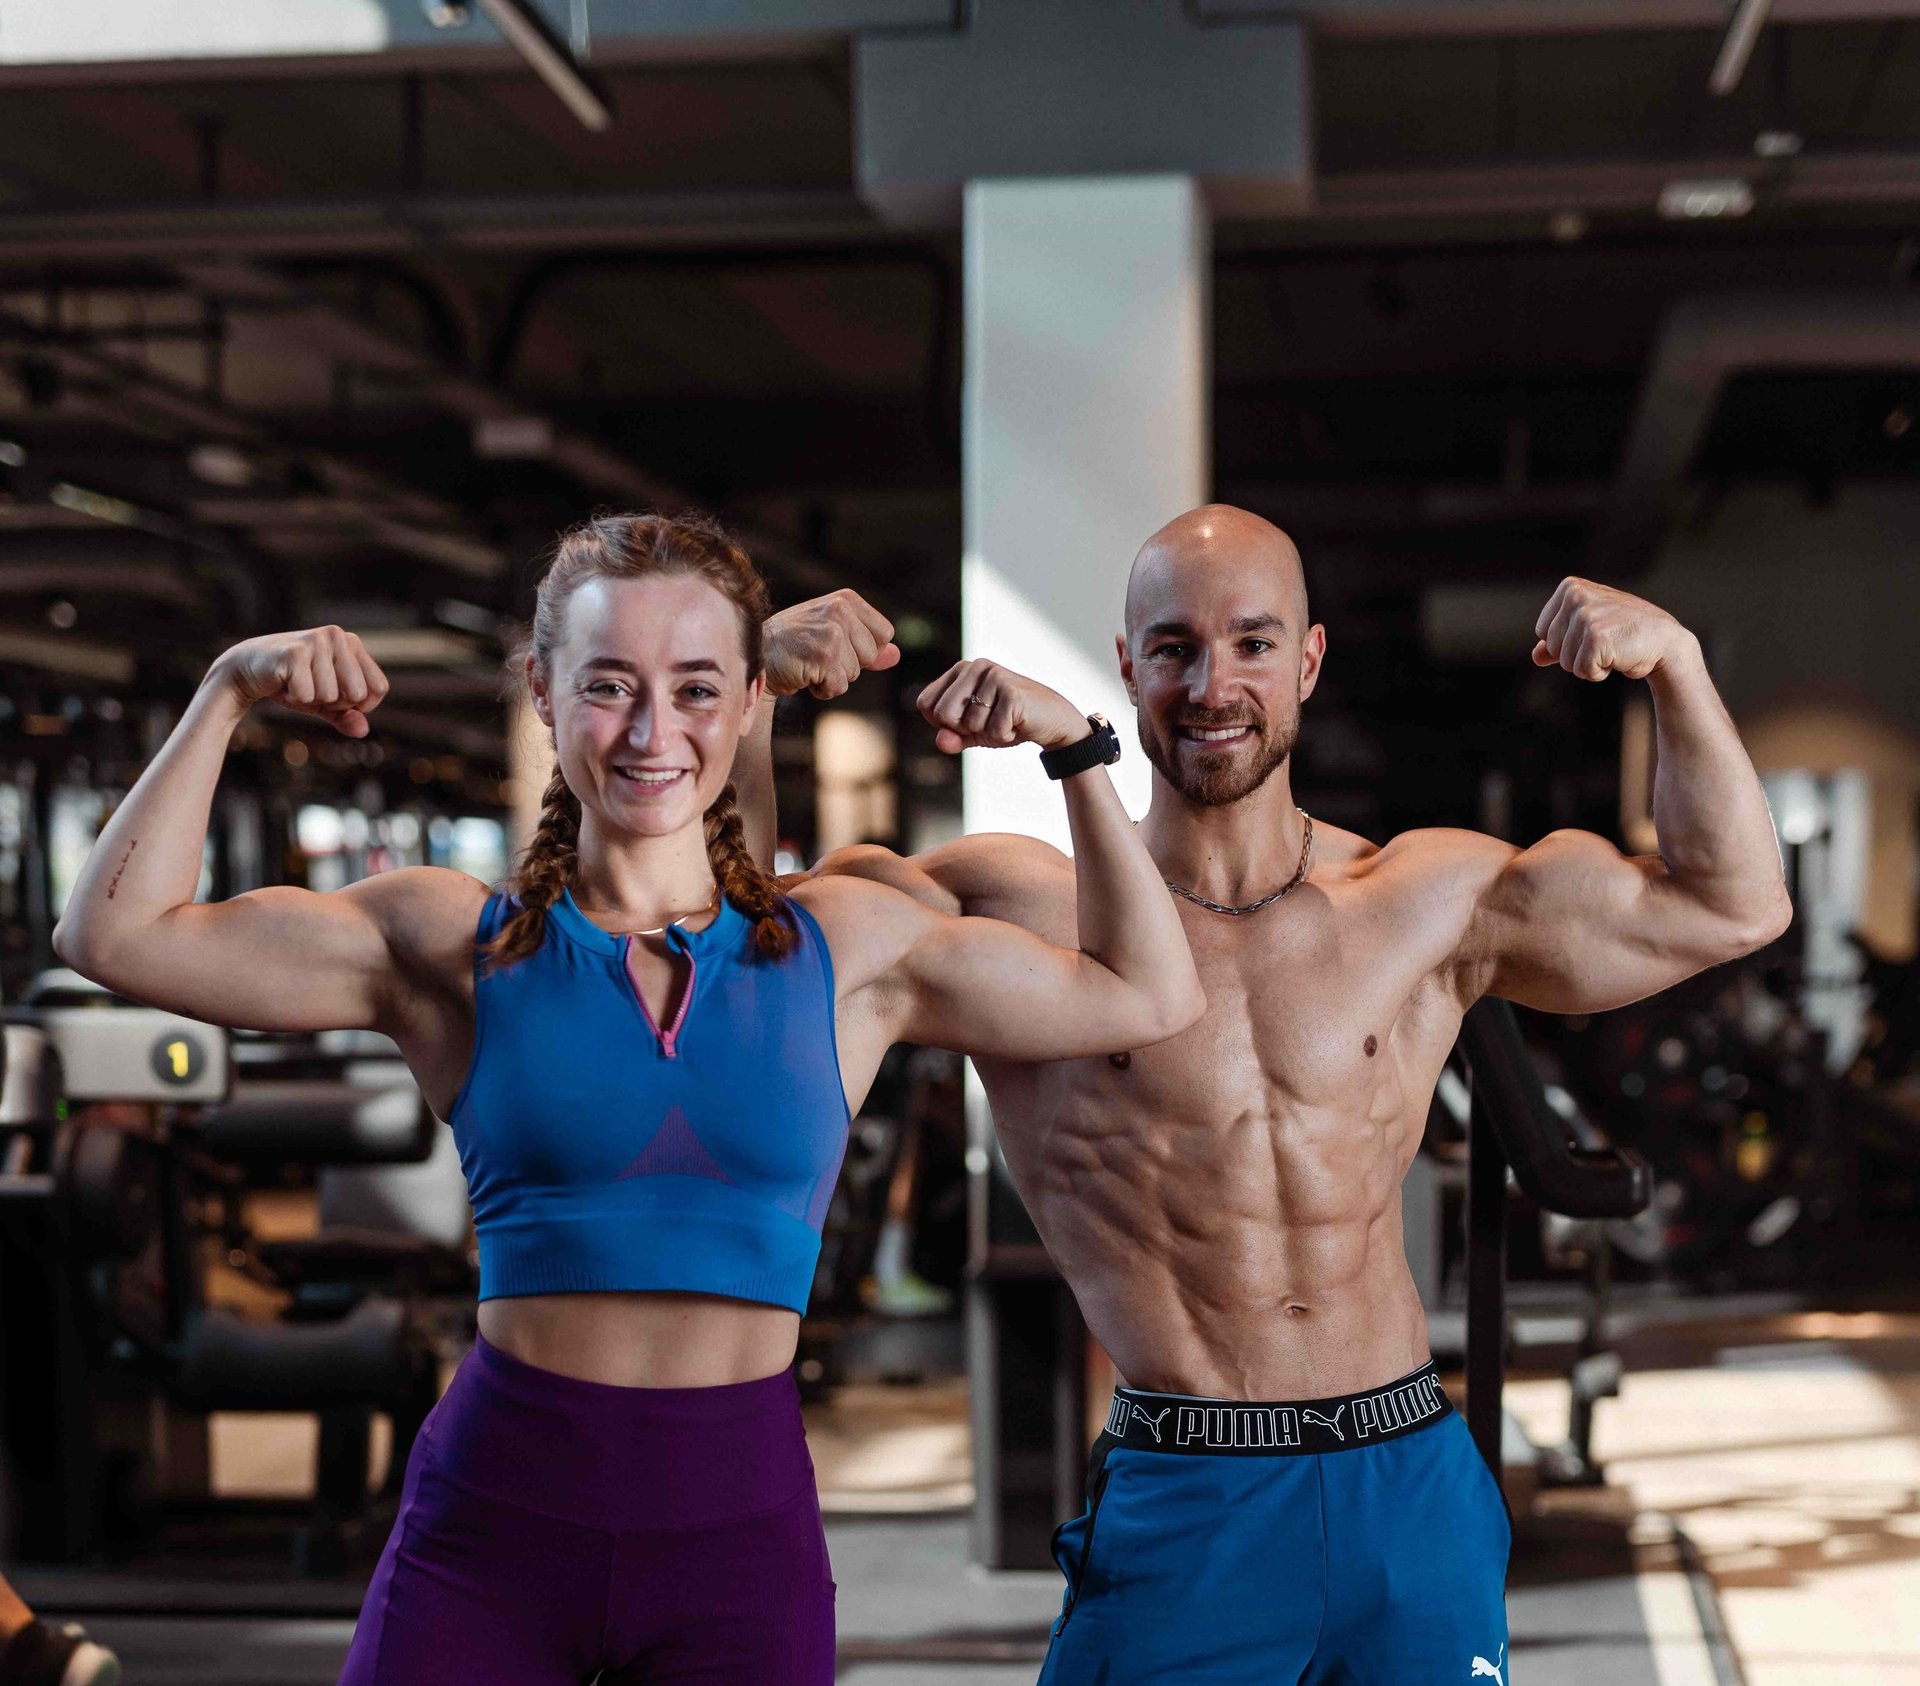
<point>1572,925</point>
<point>821,646</point>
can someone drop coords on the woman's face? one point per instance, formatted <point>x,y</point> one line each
<point>648,698</point>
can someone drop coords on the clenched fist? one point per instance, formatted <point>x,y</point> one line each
<point>1592,630</point>
<point>824,645</point>
<point>982,705</point>
<point>324,671</point>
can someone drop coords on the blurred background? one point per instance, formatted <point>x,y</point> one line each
<point>339,310</point>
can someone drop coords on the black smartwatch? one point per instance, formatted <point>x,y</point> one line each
<point>1099,748</point>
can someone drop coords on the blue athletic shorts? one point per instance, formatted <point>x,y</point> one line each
<point>1227,1543</point>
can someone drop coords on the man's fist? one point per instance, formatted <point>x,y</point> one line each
<point>982,705</point>
<point>1592,630</point>
<point>824,645</point>
<point>324,671</point>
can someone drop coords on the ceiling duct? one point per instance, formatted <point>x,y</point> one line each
<point>1703,343</point>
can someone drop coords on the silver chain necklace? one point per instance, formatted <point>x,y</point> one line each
<point>1286,889</point>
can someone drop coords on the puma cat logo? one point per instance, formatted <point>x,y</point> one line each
<point>1153,1422</point>
<point>1331,1423</point>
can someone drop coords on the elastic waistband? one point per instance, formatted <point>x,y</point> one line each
<point>619,1458</point>
<point>636,1406</point>
<point>1179,1422</point>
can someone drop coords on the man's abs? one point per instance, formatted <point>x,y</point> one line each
<point>1241,1257</point>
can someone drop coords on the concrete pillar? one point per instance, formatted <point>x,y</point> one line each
<point>1085,428</point>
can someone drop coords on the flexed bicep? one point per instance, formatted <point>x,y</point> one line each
<point>1573,925</point>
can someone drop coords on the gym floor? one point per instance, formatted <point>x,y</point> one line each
<point>1761,1525</point>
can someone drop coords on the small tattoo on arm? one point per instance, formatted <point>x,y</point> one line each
<point>122,867</point>
<point>1373,1046</point>
<point>1119,1062</point>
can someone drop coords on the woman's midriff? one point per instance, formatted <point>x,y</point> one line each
<point>644,1340</point>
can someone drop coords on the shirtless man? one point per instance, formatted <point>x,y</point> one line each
<point>1283,1492</point>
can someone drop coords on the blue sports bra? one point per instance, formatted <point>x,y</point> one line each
<point>605,1153</point>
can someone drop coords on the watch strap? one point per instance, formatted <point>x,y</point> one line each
<point>1099,748</point>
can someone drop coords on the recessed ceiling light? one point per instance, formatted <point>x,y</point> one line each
<point>220,465</point>
<point>505,438</point>
<point>1727,196</point>
<point>1777,143</point>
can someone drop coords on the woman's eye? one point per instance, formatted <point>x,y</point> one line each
<point>700,693</point>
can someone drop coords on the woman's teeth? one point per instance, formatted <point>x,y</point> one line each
<point>634,775</point>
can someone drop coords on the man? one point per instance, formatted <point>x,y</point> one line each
<point>1282,1492</point>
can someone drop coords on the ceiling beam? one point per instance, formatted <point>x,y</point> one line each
<point>404,222</point>
<point>1703,343</point>
<point>337,332</point>
<point>1404,18</point>
<point>127,394</point>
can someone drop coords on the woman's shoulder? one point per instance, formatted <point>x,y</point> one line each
<point>866,924</point>
<point>428,914</point>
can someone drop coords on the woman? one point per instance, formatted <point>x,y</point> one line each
<point>648,1054</point>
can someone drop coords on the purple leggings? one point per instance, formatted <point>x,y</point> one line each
<point>552,1529</point>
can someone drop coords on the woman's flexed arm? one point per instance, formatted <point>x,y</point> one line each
<point>280,958</point>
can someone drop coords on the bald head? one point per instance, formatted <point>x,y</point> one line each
<point>1218,655</point>
<point>1216,546</point>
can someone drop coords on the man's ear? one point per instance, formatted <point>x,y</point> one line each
<point>1313,651</point>
<point>1126,666</point>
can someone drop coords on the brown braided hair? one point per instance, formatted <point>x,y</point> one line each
<point>629,547</point>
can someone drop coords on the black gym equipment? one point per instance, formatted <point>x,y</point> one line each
<point>1515,1126</point>
<point>113,1189</point>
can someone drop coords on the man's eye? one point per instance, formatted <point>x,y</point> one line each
<point>1166,650</point>
<point>1257,646</point>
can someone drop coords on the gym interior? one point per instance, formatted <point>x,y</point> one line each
<point>339,312</point>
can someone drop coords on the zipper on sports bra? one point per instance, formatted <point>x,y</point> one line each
<point>668,1036</point>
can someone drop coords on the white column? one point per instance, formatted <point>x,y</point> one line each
<point>1085,428</point>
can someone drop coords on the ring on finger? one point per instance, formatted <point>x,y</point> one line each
<point>975,702</point>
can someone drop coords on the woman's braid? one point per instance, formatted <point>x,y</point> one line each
<point>742,882</point>
<point>545,871</point>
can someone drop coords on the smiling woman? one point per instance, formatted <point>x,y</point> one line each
<point>648,1052</point>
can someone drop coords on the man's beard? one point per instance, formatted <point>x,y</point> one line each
<point>1215,779</point>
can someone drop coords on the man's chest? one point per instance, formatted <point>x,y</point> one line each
<point>1316,1004</point>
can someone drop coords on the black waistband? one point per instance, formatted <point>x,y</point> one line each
<point>1179,1422</point>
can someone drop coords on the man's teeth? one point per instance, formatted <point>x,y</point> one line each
<point>634,775</point>
<point>1205,734</point>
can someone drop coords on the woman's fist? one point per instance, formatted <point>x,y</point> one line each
<point>324,671</point>
<point>825,644</point>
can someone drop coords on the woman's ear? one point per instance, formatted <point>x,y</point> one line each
<point>756,689</point>
<point>537,690</point>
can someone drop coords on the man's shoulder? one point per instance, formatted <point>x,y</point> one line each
<point>1434,875</point>
<point>1446,854</point>
<point>998,874</point>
